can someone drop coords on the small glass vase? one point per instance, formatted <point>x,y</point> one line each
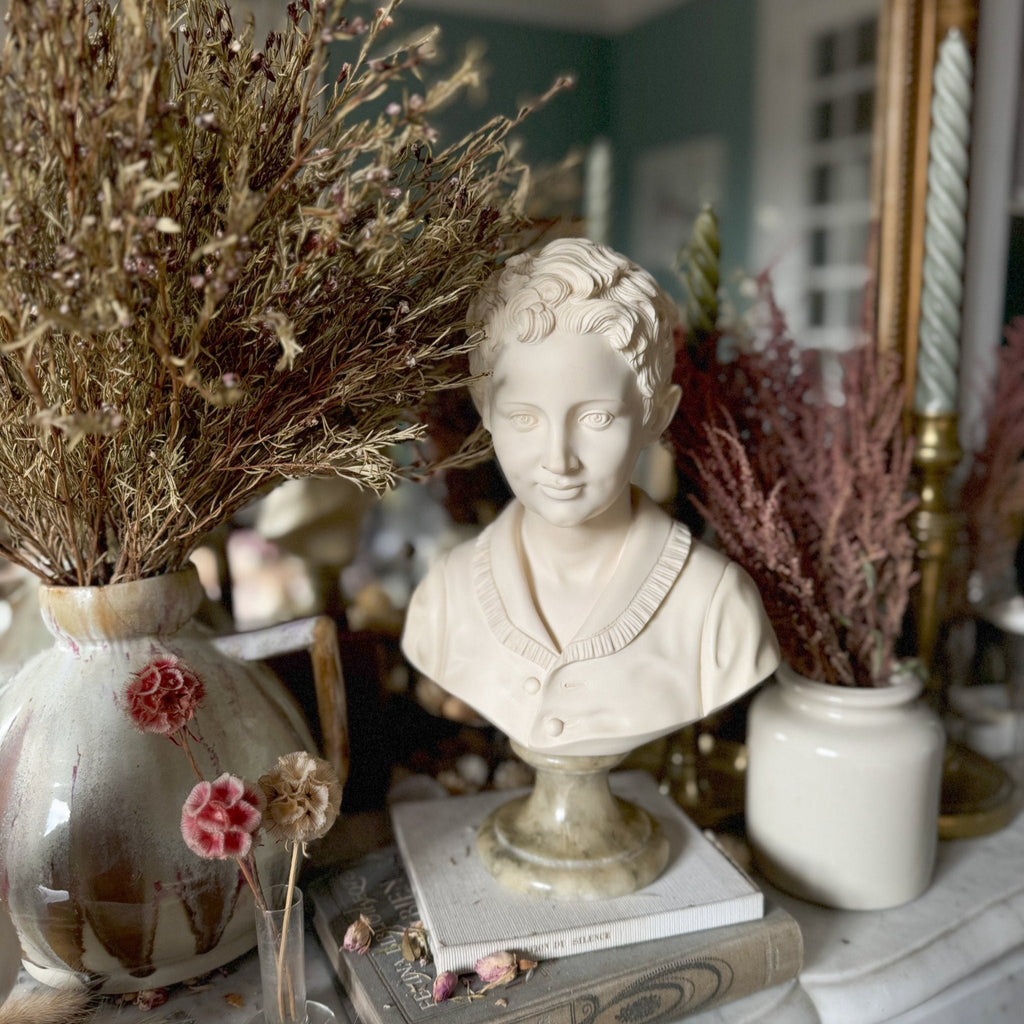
<point>283,975</point>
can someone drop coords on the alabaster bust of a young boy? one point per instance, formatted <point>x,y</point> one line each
<point>583,620</point>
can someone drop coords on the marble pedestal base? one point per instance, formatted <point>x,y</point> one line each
<point>570,838</point>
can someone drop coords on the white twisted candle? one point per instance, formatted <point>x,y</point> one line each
<point>945,229</point>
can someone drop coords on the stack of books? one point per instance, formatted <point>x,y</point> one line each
<point>700,936</point>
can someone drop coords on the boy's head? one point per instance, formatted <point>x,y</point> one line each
<point>584,288</point>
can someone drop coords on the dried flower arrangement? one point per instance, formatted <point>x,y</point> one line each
<point>297,801</point>
<point>216,271</point>
<point>808,492</point>
<point>992,497</point>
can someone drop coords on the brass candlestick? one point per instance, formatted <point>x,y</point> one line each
<point>977,795</point>
<point>936,455</point>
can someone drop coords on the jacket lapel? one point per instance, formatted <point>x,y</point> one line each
<point>654,553</point>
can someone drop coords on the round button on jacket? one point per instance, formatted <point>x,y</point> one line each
<point>532,685</point>
<point>554,726</point>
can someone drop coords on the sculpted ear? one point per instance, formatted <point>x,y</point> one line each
<point>480,393</point>
<point>484,408</point>
<point>664,410</point>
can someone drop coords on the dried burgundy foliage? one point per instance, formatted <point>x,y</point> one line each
<point>808,490</point>
<point>992,498</point>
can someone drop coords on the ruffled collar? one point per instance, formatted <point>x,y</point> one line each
<point>653,555</point>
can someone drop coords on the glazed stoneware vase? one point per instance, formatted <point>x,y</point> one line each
<point>843,787</point>
<point>97,879</point>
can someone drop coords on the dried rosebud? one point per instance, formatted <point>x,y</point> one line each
<point>163,696</point>
<point>358,936</point>
<point>219,817</point>
<point>303,797</point>
<point>497,968</point>
<point>151,998</point>
<point>444,986</point>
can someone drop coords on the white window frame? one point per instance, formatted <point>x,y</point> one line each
<point>783,215</point>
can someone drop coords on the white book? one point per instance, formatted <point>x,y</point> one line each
<point>468,915</point>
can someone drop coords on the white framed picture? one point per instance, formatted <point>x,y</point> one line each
<point>670,184</point>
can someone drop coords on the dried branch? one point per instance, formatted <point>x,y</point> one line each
<point>216,271</point>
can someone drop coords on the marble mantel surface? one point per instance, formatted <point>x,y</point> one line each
<point>865,967</point>
<point>230,995</point>
<point>955,954</point>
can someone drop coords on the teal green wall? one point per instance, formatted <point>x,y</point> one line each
<point>687,74</point>
<point>684,74</point>
<point>522,63</point>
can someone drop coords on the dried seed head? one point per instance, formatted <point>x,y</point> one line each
<point>303,797</point>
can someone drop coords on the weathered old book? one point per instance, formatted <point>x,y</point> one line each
<point>468,914</point>
<point>662,980</point>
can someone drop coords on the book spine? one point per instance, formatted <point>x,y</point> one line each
<point>673,988</point>
<point>570,941</point>
<point>661,990</point>
<point>641,984</point>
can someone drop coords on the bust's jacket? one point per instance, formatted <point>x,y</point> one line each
<point>679,631</point>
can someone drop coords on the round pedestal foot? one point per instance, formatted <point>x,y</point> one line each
<point>570,838</point>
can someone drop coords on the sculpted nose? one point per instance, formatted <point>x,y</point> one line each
<point>560,457</point>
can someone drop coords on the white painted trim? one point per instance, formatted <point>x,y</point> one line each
<point>997,92</point>
<point>780,212</point>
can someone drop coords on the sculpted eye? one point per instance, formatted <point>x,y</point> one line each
<point>596,419</point>
<point>522,420</point>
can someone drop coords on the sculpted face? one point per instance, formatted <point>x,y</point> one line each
<point>567,421</point>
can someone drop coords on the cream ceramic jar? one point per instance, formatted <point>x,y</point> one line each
<point>843,790</point>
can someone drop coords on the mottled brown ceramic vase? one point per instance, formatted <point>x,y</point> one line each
<point>99,883</point>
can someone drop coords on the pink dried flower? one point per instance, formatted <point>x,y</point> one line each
<point>151,998</point>
<point>444,986</point>
<point>497,968</point>
<point>358,936</point>
<point>303,797</point>
<point>163,696</point>
<point>220,817</point>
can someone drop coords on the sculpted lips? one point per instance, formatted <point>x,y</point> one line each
<point>560,491</point>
